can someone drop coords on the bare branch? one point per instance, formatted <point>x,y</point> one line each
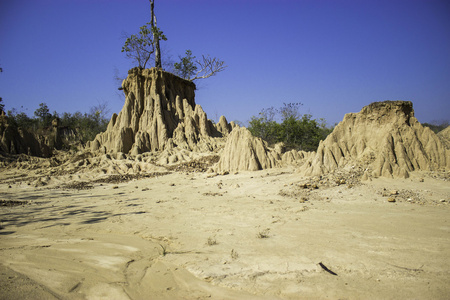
<point>208,66</point>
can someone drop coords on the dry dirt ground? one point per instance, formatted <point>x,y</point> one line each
<point>252,235</point>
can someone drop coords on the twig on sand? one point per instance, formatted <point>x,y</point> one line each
<point>326,269</point>
<point>164,250</point>
<point>408,269</point>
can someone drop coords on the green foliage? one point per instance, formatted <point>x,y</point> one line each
<point>83,126</point>
<point>437,126</point>
<point>303,133</point>
<point>264,125</point>
<point>44,116</point>
<point>296,131</point>
<point>21,120</point>
<point>186,68</point>
<point>43,119</point>
<point>87,125</point>
<point>157,33</point>
<point>140,47</point>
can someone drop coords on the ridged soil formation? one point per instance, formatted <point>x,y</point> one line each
<point>244,152</point>
<point>159,113</point>
<point>444,135</point>
<point>386,138</point>
<point>15,140</point>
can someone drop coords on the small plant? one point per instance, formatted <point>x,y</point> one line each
<point>263,234</point>
<point>211,241</point>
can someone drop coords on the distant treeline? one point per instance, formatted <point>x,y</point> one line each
<point>78,127</point>
<point>437,126</point>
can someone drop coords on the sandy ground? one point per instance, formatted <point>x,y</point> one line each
<point>255,235</point>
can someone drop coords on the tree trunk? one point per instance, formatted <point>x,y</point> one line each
<point>158,63</point>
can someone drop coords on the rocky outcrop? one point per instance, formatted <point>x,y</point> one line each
<point>223,127</point>
<point>294,157</point>
<point>444,135</point>
<point>244,152</point>
<point>386,138</point>
<point>15,140</point>
<point>159,113</point>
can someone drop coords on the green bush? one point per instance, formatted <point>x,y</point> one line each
<point>264,125</point>
<point>296,131</point>
<point>87,125</point>
<point>21,120</point>
<point>43,115</point>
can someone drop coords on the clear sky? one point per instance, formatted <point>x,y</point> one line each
<point>334,56</point>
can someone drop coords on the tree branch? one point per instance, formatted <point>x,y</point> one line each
<point>208,67</point>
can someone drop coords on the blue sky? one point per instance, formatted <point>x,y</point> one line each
<point>334,56</point>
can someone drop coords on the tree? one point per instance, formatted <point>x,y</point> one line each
<point>290,110</point>
<point>2,106</point>
<point>191,69</point>
<point>86,126</point>
<point>186,67</point>
<point>208,66</point>
<point>145,45</point>
<point>265,126</point>
<point>44,115</point>
<point>140,47</point>
<point>21,120</point>
<point>296,131</point>
<point>93,123</point>
<point>156,35</point>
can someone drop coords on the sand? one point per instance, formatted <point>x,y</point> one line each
<point>268,234</point>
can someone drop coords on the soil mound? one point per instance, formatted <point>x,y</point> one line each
<point>244,152</point>
<point>444,135</point>
<point>159,113</point>
<point>385,138</point>
<point>15,140</point>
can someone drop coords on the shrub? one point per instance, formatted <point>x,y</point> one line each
<point>21,120</point>
<point>297,131</point>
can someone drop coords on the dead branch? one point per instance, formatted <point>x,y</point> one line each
<point>208,67</point>
<point>326,269</point>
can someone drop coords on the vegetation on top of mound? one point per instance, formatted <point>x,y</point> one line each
<point>296,131</point>
<point>145,46</point>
